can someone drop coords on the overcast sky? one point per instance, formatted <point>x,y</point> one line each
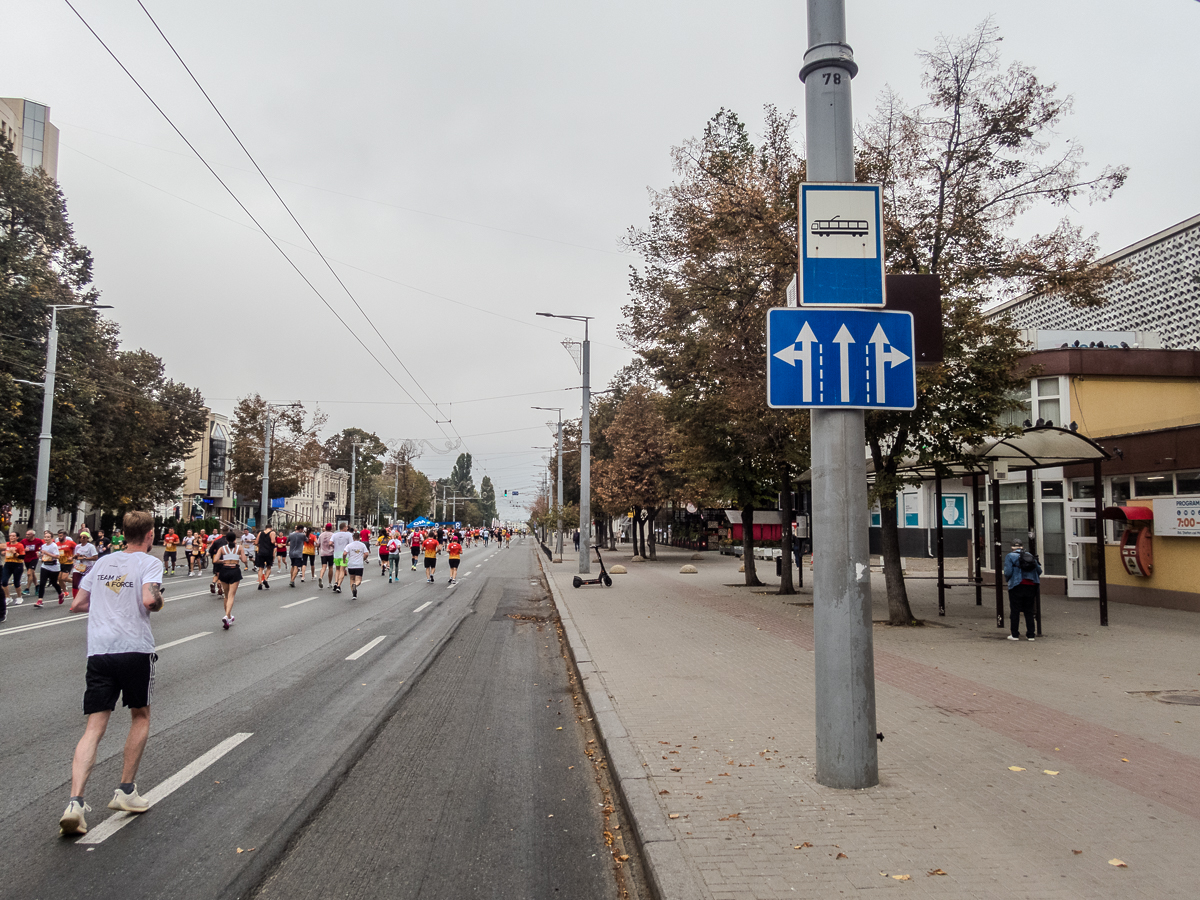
<point>464,165</point>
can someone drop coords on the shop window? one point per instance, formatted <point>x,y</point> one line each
<point>1054,539</point>
<point>1083,490</point>
<point>1052,489</point>
<point>1048,400</point>
<point>1012,491</point>
<point>1120,490</point>
<point>1021,412</point>
<point>1187,483</point>
<point>1153,485</point>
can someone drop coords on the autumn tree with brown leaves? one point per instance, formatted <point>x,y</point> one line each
<point>719,251</point>
<point>295,448</point>
<point>958,171</point>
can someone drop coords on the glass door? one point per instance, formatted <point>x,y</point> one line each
<point>1083,552</point>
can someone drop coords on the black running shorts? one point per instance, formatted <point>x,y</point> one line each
<point>355,573</point>
<point>327,561</point>
<point>130,675</point>
<point>264,560</point>
<point>296,561</point>
<point>431,562</point>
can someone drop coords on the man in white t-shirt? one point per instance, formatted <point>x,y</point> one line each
<point>357,554</point>
<point>341,540</point>
<point>119,592</point>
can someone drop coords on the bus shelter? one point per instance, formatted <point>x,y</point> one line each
<point>1000,460</point>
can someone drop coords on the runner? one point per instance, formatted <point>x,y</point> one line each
<point>50,569</point>
<point>415,541</point>
<point>310,553</point>
<point>341,540</point>
<point>281,550</point>
<point>454,551</point>
<point>385,553</point>
<point>394,546</point>
<point>14,565</point>
<point>365,535</point>
<point>66,559</point>
<point>86,555</point>
<point>33,544</point>
<point>264,557</point>
<point>117,543</point>
<point>213,547</point>
<point>189,551</point>
<point>248,549</point>
<point>228,561</point>
<point>325,549</point>
<point>103,543</point>
<point>170,550</point>
<point>356,555</point>
<point>295,551</point>
<point>120,662</point>
<point>431,548</point>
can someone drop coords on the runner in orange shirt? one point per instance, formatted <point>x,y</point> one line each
<point>430,546</point>
<point>454,551</point>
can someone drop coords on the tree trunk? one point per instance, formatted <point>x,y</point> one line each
<point>748,545</point>
<point>785,533</point>
<point>650,523</point>
<point>899,612</point>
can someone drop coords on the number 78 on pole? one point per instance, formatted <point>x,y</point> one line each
<point>840,359</point>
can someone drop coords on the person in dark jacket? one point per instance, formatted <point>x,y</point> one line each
<point>1023,583</point>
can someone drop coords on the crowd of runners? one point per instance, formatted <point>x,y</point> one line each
<point>329,556</point>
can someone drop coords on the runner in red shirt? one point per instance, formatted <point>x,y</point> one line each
<point>430,546</point>
<point>454,551</point>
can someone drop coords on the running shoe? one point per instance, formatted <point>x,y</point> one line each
<point>259,586</point>
<point>212,588</point>
<point>131,802</point>
<point>267,585</point>
<point>354,592</point>
<point>320,584</point>
<point>38,605</point>
<point>225,622</point>
<point>72,821</point>
<point>291,584</point>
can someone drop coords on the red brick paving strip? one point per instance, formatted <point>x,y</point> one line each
<point>1154,772</point>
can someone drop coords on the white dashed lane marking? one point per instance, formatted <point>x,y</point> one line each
<point>297,603</point>
<point>423,605</point>
<point>190,637</point>
<point>362,651</point>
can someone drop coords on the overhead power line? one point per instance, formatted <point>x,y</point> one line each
<point>244,209</point>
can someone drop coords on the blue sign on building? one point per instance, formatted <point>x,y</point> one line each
<point>840,359</point>
<point>841,245</point>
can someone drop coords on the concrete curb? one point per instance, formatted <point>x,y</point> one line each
<point>668,869</point>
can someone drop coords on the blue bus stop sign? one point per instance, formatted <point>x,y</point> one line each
<point>841,245</point>
<point>840,359</point>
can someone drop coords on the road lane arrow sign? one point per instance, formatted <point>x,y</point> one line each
<point>790,355</point>
<point>867,354</point>
<point>891,356</point>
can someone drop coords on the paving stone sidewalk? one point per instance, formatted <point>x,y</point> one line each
<point>1014,770</point>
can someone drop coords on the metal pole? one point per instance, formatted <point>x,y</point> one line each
<point>941,543</point>
<point>1030,523</point>
<point>559,494</point>
<point>42,485</point>
<point>998,553</point>
<point>353,467</point>
<point>977,533</point>
<point>396,497</point>
<point>1101,563</point>
<point>847,755</point>
<point>264,505</point>
<point>585,462</point>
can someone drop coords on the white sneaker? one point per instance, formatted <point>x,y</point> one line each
<point>1011,638</point>
<point>72,821</point>
<point>1030,640</point>
<point>130,802</point>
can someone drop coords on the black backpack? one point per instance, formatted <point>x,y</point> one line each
<point>1028,562</point>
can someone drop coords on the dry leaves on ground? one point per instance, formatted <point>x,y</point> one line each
<point>902,877</point>
<point>1015,769</point>
<point>676,769</point>
<point>841,856</point>
<point>730,816</point>
<point>1117,863</point>
<point>1049,772</point>
<point>935,872</point>
<point>802,846</point>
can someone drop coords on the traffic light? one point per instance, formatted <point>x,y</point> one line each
<point>506,495</point>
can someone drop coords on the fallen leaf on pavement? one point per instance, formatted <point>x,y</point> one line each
<point>1117,863</point>
<point>1123,759</point>
<point>902,877</point>
<point>240,850</point>
<point>1049,772</point>
<point>623,857</point>
<point>1015,769</point>
<point>935,872</point>
<point>1076,852</point>
<point>676,769</point>
<point>673,816</point>
<point>664,791</point>
<point>551,816</point>
<point>722,774</point>
<point>841,856</point>
<point>802,846</point>
<point>559,728</point>
<point>730,816</point>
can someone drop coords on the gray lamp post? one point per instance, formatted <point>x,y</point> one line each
<point>42,484</point>
<point>585,448</point>
<point>558,540</point>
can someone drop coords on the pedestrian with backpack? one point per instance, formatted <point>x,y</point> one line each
<point>1021,569</point>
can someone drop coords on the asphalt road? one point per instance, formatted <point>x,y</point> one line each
<point>430,765</point>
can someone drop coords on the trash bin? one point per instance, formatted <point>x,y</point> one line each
<point>779,567</point>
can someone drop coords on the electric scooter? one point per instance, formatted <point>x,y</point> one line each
<point>603,578</point>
